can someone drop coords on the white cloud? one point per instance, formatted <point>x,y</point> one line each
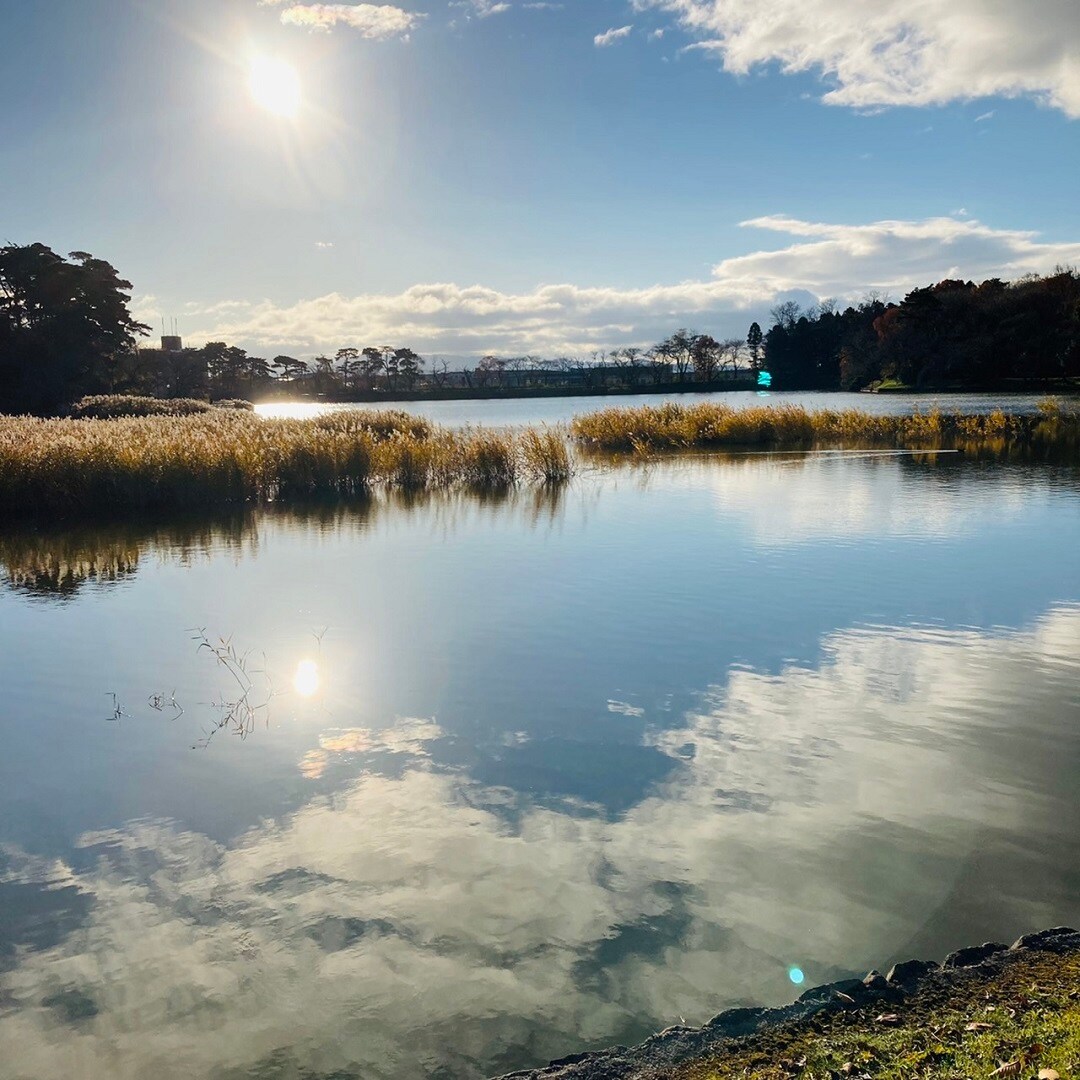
<point>657,34</point>
<point>984,117</point>
<point>375,21</point>
<point>324,244</point>
<point>842,261</point>
<point>899,52</point>
<point>482,9</point>
<point>609,37</point>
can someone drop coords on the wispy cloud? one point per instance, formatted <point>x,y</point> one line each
<point>374,21</point>
<point>482,9</point>
<point>899,52</point>
<point>820,259</point>
<point>984,116</point>
<point>609,37</point>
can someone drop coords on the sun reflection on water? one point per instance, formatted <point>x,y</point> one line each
<point>306,681</point>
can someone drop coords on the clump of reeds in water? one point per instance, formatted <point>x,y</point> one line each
<point>673,426</point>
<point>229,457</point>
<point>117,406</point>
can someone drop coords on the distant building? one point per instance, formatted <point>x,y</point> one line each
<point>171,343</point>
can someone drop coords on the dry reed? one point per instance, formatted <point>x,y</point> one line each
<point>673,426</point>
<point>230,457</point>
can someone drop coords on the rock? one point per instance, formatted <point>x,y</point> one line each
<point>973,954</point>
<point>875,981</point>
<point>736,1022</point>
<point>828,992</point>
<point>908,972</point>
<point>570,1059</point>
<point>1057,939</point>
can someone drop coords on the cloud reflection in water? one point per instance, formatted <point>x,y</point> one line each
<point>899,797</point>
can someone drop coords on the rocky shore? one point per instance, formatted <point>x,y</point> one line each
<point>677,1046</point>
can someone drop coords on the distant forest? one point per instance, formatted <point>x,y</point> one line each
<point>66,331</point>
<point>954,334</point>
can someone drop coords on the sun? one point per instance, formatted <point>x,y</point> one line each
<point>275,85</point>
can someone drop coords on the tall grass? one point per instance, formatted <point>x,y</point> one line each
<point>673,426</point>
<point>114,406</point>
<point>233,457</point>
<point>117,406</point>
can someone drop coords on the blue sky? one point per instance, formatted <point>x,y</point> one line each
<point>489,177</point>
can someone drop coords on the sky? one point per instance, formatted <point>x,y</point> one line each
<point>508,177</point>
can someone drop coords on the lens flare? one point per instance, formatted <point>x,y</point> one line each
<point>306,680</point>
<point>275,85</point>
<point>796,976</point>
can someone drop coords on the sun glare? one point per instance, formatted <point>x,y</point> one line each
<point>275,85</point>
<point>306,680</point>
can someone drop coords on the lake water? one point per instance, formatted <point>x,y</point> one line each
<point>520,412</point>
<point>536,774</point>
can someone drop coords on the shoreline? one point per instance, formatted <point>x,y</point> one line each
<point>746,1031</point>
<point>503,393</point>
<point>740,385</point>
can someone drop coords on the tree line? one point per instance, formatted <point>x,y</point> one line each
<point>953,334</point>
<point>66,331</point>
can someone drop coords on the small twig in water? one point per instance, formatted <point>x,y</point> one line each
<point>118,710</point>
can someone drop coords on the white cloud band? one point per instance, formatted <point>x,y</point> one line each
<point>899,52</point>
<point>842,261</point>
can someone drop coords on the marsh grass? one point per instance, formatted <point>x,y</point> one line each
<point>545,454</point>
<point>673,426</point>
<point>116,406</point>
<point>227,457</point>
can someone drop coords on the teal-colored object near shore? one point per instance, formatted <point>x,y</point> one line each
<point>764,379</point>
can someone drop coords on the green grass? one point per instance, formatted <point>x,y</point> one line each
<point>673,426</point>
<point>1026,1018</point>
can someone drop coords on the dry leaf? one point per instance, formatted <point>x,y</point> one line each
<point>977,1025</point>
<point>845,997</point>
<point>1048,1074</point>
<point>849,1067</point>
<point>887,1018</point>
<point>1009,1068</point>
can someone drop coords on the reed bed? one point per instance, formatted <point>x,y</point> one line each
<point>232,457</point>
<point>117,406</point>
<point>672,426</point>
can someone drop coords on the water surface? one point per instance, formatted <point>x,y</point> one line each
<point>521,412</point>
<point>579,765</point>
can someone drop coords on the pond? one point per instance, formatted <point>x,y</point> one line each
<point>523,776</point>
<point>520,412</point>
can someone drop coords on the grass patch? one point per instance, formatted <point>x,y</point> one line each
<point>228,456</point>
<point>1021,1020</point>
<point>117,406</point>
<point>673,426</point>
